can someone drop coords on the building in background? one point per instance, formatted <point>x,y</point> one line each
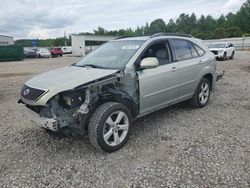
<point>83,44</point>
<point>6,40</point>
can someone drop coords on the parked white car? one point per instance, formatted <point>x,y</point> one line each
<point>43,52</point>
<point>222,50</point>
<point>67,49</point>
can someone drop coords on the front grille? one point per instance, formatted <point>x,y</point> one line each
<point>31,93</point>
<point>215,52</point>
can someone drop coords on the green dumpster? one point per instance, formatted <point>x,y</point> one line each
<point>11,53</point>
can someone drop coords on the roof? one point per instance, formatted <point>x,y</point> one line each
<point>158,35</point>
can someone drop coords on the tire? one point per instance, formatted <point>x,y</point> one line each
<point>103,122</point>
<point>224,56</point>
<point>60,55</point>
<point>232,56</point>
<point>202,94</point>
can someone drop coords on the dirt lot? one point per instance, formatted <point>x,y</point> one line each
<point>175,147</point>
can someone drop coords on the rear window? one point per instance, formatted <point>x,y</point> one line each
<point>182,49</point>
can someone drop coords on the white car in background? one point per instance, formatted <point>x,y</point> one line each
<point>43,52</point>
<point>223,50</point>
<point>66,49</point>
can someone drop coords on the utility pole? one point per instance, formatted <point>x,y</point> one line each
<point>65,39</point>
<point>243,39</point>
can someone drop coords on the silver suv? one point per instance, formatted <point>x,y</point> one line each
<point>120,81</point>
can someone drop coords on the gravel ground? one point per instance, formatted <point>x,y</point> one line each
<point>175,147</point>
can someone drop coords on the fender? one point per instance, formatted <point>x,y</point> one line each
<point>116,95</point>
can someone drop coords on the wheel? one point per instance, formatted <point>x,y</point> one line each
<point>224,57</point>
<point>202,94</point>
<point>61,55</point>
<point>232,56</point>
<point>109,127</point>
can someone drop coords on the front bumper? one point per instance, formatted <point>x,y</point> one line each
<point>47,123</point>
<point>219,55</point>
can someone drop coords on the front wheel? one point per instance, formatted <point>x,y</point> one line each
<point>224,56</point>
<point>232,56</point>
<point>109,127</point>
<point>202,94</point>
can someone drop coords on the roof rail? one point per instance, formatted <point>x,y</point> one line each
<point>171,34</point>
<point>122,37</point>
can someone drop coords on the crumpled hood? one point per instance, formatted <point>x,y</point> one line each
<point>66,78</point>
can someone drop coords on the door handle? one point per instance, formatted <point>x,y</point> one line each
<point>174,69</point>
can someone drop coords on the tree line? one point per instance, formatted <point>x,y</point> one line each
<point>204,27</point>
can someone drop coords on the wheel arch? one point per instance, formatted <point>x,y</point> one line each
<point>113,96</point>
<point>209,77</point>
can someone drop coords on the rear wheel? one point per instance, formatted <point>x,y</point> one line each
<point>109,127</point>
<point>202,94</point>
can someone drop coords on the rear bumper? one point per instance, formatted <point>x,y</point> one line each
<point>47,123</point>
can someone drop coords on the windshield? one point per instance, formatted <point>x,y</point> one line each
<point>217,45</point>
<point>112,55</point>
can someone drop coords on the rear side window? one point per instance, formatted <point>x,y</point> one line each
<point>193,51</point>
<point>182,49</point>
<point>200,51</point>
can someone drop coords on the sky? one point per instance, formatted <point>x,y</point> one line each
<point>50,18</point>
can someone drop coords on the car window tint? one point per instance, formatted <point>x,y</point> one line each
<point>182,49</point>
<point>200,51</point>
<point>193,50</point>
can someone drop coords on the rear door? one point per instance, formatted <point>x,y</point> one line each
<point>189,64</point>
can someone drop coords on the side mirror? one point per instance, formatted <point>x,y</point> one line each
<point>149,63</point>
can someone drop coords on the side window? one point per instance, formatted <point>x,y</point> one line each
<point>200,51</point>
<point>182,49</point>
<point>193,50</point>
<point>160,51</point>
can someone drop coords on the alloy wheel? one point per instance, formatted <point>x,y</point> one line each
<point>115,128</point>
<point>204,93</point>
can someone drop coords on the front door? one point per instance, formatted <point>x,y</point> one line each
<point>158,86</point>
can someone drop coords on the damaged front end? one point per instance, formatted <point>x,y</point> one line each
<point>71,109</point>
<point>63,110</point>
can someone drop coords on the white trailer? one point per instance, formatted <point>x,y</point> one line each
<point>78,42</point>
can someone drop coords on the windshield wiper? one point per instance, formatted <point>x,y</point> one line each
<point>91,65</point>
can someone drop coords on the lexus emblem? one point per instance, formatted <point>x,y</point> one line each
<point>26,92</point>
